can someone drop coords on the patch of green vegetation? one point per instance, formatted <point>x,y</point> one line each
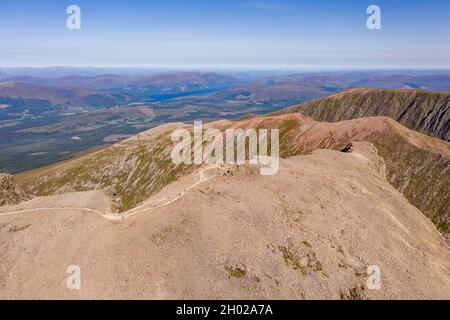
<point>312,262</point>
<point>236,272</point>
<point>286,147</point>
<point>306,243</point>
<point>304,261</point>
<point>354,293</point>
<point>159,238</point>
<point>18,228</point>
<point>292,259</point>
<point>136,170</point>
<point>288,126</point>
<point>418,174</point>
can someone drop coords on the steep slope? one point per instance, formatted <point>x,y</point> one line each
<point>422,111</point>
<point>10,192</point>
<point>309,232</point>
<point>136,168</point>
<point>416,164</point>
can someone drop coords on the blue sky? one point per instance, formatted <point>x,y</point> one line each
<point>229,34</point>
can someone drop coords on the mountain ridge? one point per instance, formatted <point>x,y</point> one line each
<point>422,111</point>
<point>141,165</point>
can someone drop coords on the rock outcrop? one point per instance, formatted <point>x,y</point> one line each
<point>10,192</point>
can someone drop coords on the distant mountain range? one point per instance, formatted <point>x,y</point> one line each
<point>399,81</point>
<point>171,82</point>
<point>76,81</point>
<point>294,88</point>
<point>104,91</point>
<point>115,89</point>
<point>19,96</point>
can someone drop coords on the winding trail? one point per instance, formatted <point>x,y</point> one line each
<point>116,217</point>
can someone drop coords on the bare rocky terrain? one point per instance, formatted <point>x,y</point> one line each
<point>136,168</point>
<point>309,232</point>
<point>10,192</point>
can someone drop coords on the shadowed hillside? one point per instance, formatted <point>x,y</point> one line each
<point>423,111</point>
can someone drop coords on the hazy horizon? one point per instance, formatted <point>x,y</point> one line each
<point>250,34</point>
<point>236,68</point>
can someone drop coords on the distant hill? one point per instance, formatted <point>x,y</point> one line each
<point>61,71</point>
<point>99,82</point>
<point>169,82</point>
<point>178,81</point>
<point>436,82</point>
<point>17,95</point>
<point>423,111</point>
<point>276,91</point>
<point>297,88</point>
<point>3,75</point>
